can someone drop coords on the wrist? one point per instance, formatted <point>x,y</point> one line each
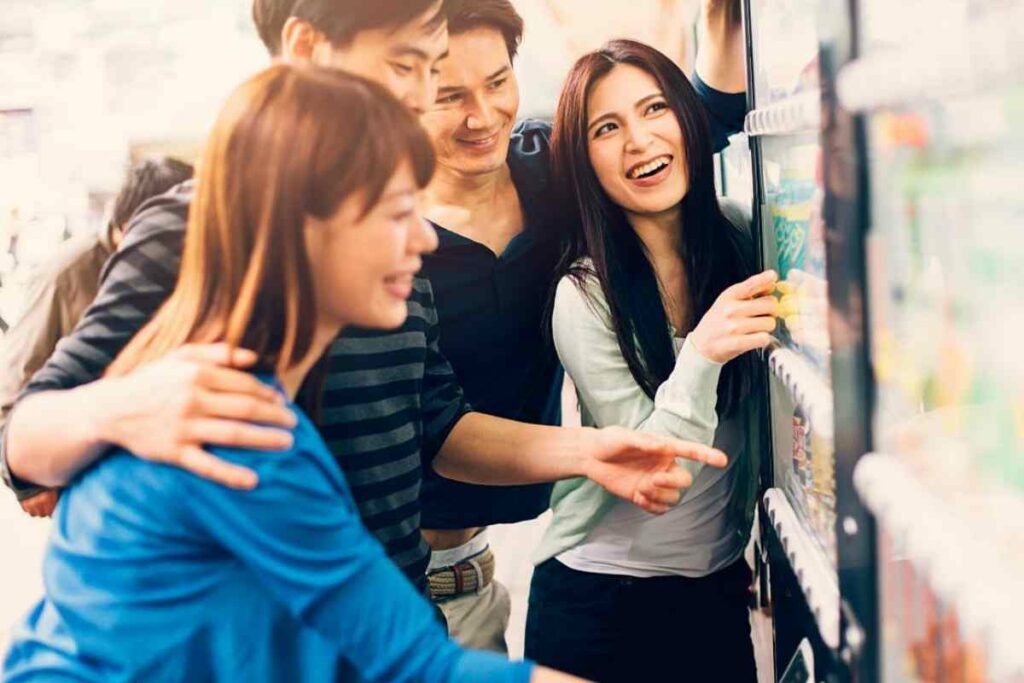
<point>587,443</point>
<point>97,405</point>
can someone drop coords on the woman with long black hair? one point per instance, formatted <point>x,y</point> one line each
<point>653,320</point>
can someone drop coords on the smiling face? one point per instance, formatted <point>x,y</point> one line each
<point>477,103</point>
<point>635,142</point>
<point>405,60</point>
<point>363,266</point>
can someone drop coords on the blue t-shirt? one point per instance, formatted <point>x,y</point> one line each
<point>154,574</point>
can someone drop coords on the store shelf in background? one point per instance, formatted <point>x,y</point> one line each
<point>962,541</point>
<point>793,238</point>
<point>797,114</point>
<point>806,386</point>
<point>814,571</point>
<point>989,51</point>
<point>785,36</point>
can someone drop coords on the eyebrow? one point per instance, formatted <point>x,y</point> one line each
<point>400,193</point>
<point>413,51</point>
<point>452,89</point>
<point>610,114</point>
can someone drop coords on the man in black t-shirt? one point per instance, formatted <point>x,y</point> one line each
<point>492,274</point>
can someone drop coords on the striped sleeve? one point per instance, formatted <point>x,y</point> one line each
<point>135,281</point>
<point>443,402</point>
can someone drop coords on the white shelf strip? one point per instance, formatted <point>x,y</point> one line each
<point>815,574</point>
<point>962,564</point>
<point>808,389</point>
<point>989,51</point>
<point>797,114</point>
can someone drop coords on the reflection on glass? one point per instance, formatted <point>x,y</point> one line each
<point>795,245</point>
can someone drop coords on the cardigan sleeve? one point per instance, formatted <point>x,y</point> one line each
<point>684,405</point>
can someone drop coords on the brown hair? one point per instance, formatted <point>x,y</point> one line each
<point>145,180</point>
<point>291,142</point>
<point>339,20</point>
<point>465,15</point>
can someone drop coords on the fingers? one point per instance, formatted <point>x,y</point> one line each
<point>235,434</point>
<point>42,504</point>
<point>762,305</point>
<point>238,406</point>
<point>217,354</point>
<point>688,450</point>
<point>675,478</point>
<point>645,504</point>
<point>748,326</point>
<point>202,464</point>
<point>231,381</point>
<point>752,342</point>
<point>663,490</point>
<point>754,285</point>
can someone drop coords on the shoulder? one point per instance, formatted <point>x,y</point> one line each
<point>421,301</point>
<point>306,465</point>
<point>71,258</point>
<point>579,297</point>
<point>736,212</point>
<point>161,218</point>
<point>529,153</point>
<point>531,135</point>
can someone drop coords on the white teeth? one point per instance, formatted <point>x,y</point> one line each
<point>649,167</point>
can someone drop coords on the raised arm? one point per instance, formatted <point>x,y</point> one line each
<point>721,58</point>
<point>684,405</point>
<point>482,449</point>
<point>67,415</point>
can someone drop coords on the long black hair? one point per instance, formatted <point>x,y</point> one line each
<point>711,248</point>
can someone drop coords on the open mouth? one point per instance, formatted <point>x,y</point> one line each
<point>399,285</point>
<point>480,143</point>
<point>650,168</point>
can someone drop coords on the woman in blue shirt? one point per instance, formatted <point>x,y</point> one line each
<point>302,224</point>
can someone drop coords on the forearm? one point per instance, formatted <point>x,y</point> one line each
<point>544,675</point>
<point>52,435</point>
<point>483,449</point>
<point>721,56</point>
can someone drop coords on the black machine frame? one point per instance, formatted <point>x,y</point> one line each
<point>846,212</point>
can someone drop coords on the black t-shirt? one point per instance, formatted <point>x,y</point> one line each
<point>491,312</point>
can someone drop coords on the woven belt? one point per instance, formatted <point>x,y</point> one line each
<point>468,576</point>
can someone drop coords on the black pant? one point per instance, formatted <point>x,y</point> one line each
<point>613,629</point>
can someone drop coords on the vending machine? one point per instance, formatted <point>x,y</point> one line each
<point>888,177</point>
<point>816,550</point>
<point>942,110</point>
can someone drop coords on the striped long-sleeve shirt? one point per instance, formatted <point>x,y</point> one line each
<point>390,398</point>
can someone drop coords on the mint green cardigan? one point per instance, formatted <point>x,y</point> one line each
<point>684,407</point>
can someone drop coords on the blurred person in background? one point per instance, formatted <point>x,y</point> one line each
<point>387,402</point>
<point>494,206</point>
<point>65,287</point>
<point>304,222</point>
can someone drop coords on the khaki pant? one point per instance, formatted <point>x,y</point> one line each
<point>478,620</point>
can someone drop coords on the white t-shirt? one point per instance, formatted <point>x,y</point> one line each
<point>697,537</point>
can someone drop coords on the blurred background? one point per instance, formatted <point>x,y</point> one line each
<point>883,161</point>
<point>88,87</point>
